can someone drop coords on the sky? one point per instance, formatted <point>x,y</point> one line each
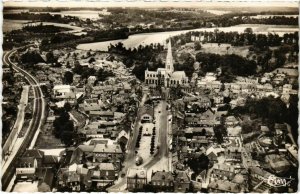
<point>151,3</point>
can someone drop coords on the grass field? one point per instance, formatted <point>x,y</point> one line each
<point>222,49</point>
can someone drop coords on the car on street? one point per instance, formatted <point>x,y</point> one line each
<point>138,160</point>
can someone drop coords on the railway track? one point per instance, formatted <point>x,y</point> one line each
<point>38,109</point>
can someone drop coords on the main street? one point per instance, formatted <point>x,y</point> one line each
<point>160,160</point>
<point>21,144</point>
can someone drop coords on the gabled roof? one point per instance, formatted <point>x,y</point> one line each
<point>162,175</point>
<point>105,148</point>
<point>49,159</point>
<point>106,166</point>
<point>182,177</point>
<point>178,75</point>
<point>225,186</point>
<point>26,162</point>
<point>34,153</point>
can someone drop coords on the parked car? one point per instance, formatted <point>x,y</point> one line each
<point>138,160</point>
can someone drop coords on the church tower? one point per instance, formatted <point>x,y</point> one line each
<point>169,60</point>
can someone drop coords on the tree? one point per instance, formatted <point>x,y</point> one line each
<point>63,127</point>
<point>248,30</point>
<point>32,58</point>
<point>50,58</point>
<point>67,107</point>
<point>198,164</point>
<point>197,46</point>
<point>220,132</point>
<point>68,77</point>
<point>91,60</point>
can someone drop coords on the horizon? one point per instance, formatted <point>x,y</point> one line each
<point>152,4</point>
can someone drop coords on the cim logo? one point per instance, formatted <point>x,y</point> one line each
<point>278,181</point>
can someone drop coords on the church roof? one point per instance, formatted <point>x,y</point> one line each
<point>178,75</point>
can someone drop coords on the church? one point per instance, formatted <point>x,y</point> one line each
<point>166,77</point>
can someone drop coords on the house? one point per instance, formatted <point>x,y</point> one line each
<point>91,105</point>
<point>108,171</point>
<point>32,163</point>
<point>76,78</point>
<point>278,163</point>
<point>286,88</point>
<point>69,179</point>
<point>205,119</point>
<point>101,176</point>
<point>198,141</point>
<point>64,92</point>
<point>136,179</point>
<point>231,121</point>
<point>234,153</point>
<point>147,113</point>
<point>201,177</point>
<point>97,153</point>
<point>35,153</point>
<point>50,161</point>
<point>6,70</point>
<point>103,152</point>
<point>213,152</point>
<point>221,186</point>
<point>257,179</point>
<point>182,182</point>
<point>26,168</point>
<point>222,171</point>
<point>101,115</point>
<point>91,80</point>
<point>162,181</point>
<point>292,153</point>
<point>218,100</point>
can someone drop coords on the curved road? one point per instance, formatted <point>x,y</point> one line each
<point>8,169</point>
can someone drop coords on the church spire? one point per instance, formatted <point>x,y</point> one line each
<point>169,59</point>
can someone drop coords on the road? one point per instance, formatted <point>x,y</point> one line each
<point>21,144</point>
<point>10,141</point>
<point>162,120</point>
<point>160,159</point>
<point>129,162</point>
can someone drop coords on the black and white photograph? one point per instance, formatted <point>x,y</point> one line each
<point>150,96</point>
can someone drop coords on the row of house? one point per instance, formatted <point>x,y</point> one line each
<point>161,181</point>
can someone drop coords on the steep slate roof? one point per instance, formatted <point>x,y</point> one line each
<point>162,175</point>
<point>34,153</point>
<point>104,148</point>
<point>182,177</point>
<point>106,166</point>
<point>225,186</point>
<point>26,162</point>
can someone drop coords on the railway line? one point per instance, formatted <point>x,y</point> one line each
<point>8,169</point>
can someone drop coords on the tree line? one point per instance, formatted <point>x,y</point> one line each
<point>139,58</point>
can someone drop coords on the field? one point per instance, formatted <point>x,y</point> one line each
<point>222,49</point>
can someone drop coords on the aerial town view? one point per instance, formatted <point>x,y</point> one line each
<point>131,98</point>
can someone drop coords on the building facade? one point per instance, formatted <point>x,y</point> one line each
<point>166,77</point>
